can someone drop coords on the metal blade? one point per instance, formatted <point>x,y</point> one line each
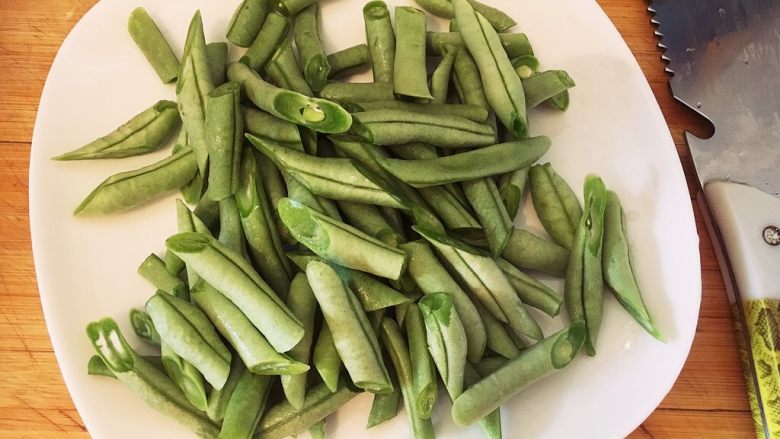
<point>725,57</point>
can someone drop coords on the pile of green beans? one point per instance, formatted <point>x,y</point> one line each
<point>338,237</point>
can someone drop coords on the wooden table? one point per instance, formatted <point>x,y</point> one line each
<point>708,399</point>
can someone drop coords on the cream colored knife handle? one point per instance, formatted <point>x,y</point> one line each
<point>748,224</point>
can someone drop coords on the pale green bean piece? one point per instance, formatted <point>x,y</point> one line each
<point>231,233</point>
<point>348,61</point>
<point>247,21</point>
<point>546,85</point>
<point>440,80</point>
<point>224,135</point>
<point>381,40</point>
<point>409,74</point>
<point>467,80</point>
<point>368,219</point>
<point>301,301</point>
<point>515,44</point>
<point>526,250</point>
<point>219,399</point>
<point>531,291</point>
<point>310,50</point>
<point>385,405</point>
<point>246,406</point>
<point>486,202</point>
<point>357,91</point>
<point>153,269</point>
<point>273,31</point>
<point>326,358</point>
<point>262,124</point>
<point>284,71</point>
<point>153,44</point>
<point>396,127</point>
<point>556,204</point>
<point>423,375</point>
<point>472,112</point>
<point>445,335</point>
<point>217,55</point>
<point>511,187</point>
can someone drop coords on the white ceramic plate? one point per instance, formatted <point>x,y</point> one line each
<point>87,267</point>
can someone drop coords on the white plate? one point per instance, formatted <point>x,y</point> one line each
<point>86,267</point>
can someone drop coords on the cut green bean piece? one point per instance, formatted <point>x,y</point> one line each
<point>234,277</point>
<point>488,365</point>
<point>490,424</point>
<point>217,54</point>
<point>381,40</point>
<point>526,66</point>
<point>486,202</point>
<point>129,189</point>
<point>185,375</point>
<point>326,359</point>
<point>472,112</point>
<point>399,354</point>
<point>583,290</point>
<point>307,39</point>
<point>353,337</point>
<point>144,327</point>
<point>283,420</point>
<point>318,114</point>
<point>467,80</point>
<point>247,21</point>
<point>151,384</point>
<point>207,210</point>
<point>188,222</point>
<point>498,338</point>
<point>303,304</point>
<point>531,291</point>
<point>396,127</point>
<point>291,8</point>
<point>298,192</point>
<point>246,406</point>
<point>146,132</point>
<point>224,127</point>
<point>440,80</point>
<point>526,250</point>
<point>153,44</point>
<point>273,31</point>
<point>340,243</point>
<point>540,360</point>
<point>560,101</point>
<point>511,187</point>
<point>423,375</point>
<point>231,233</point>
<point>97,367</point>
<point>385,405</point>
<point>618,269</point>
<point>357,91</point>
<point>284,71</point>
<point>368,219</point>
<point>262,124</point>
<point>443,8</point>
<point>556,204</point>
<point>219,399</point>
<point>275,189</point>
<point>409,74</point>
<point>348,61</point>
<point>544,86</point>
<point>445,335</point>
<point>194,190</point>
<point>153,269</point>
<point>448,208</point>
<point>317,431</point>
<point>515,44</point>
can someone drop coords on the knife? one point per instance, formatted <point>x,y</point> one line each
<point>724,56</point>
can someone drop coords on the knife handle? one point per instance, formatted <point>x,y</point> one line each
<point>746,234</point>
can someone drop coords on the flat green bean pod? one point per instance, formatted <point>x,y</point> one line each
<point>146,132</point>
<point>310,50</point>
<point>445,335</point>
<point>531,291</point>
<point>555,203</point>
<point>409,74</point>
<point>224,129</point>
<point>301,301</point>
<point>544,86</point>
<point>486,202</point>
<point>526,250</point>
<point>273,31</point>
<point>326,359</point>
<point>153,44</point>
<point>132,188</point>
<point>472,112</point>
<point>217,55</point>
<point>246,406</point>
<point>381,40</point>
<point>347,61</point>
<point>617,267</point>
<point>423,372</point>
<point>357,91</point>
<point>511,187</point>
<point>515,44</point>
<point>247,21</point>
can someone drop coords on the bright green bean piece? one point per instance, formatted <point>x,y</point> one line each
<point>423,375</point>
<point>618,269</point>
<point>503,88</point>
<point>490,424</point>
<point>445,335</point>
<point>153,44</point>
<point>219,399</point>
<point>326,359</point>
<point>273,31</point>
<point>146,132</point>
<point>381,40</point>
<point>340,243</point>
<point>542,87</point>
<point>153,269</point>
<point>540,360</point>
<point>486,202</point>
<point>97,367</point>
<point>318,114</point>
<point>185,375</point>
<point>353,337</point>
<point>368,219</point>
<point>396,127</point>
<point>531,291</point>
<point>151,384</point>
<point>234,277</point>
<point>488,365</point>
<point>247,21</point>
<point>224,127</point>
<point>144,327</point>
<point>284,71</point>
<point>526,250</point>
<point>317,431</point>
<point>303,304</point>
<point>257,220</point>
<point>246,406</point>
<point>410,76</point>
<point>440,80</point>
<point>310,50</point>
<point>515,44</point>
<point>217,54</point>
<point>230,232</point>
<point>399,354</point>
<point>291,8</point>
<point>526,66</point>
<point>470,165</point>
<point>467,80</point>
<point>128,189</point>
<point>511,187</point>
<point>486,281</point>
<point>283,420</point>
<point>555,203</point>
<point>431,277</point>
<point>498,338</point>
<point>472,112</point>
<point>357,91</point>
<point>348,61</point>
<point>583,291</point>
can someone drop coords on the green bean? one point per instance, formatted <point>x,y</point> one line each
<point>326,359</point>
<point>440,80</point>
<point>153,44</point>
<point>219,399</point>
<point>188,222</point>
<point>490,424</point>
<point>540,360</point>
<point>526,250</point>
<point>317,431</point>
<point>310,50</point>
<point>247,21</point>
<point>515,44</point>
<point>151,384</point>
<point>431,277</point>
<point>618,269</point>
<point>259,227</point>
<point>439,8</point>
<point>498,338</point>
<point>192,87</point>
<point>128,189</point>
<point>560,101</point>
<point>448,208</point>
<point>583,290</point>
<point>399,354</point>
<point>291,8</point>
<point>273,31</point>
<point>472,112</point>
<point>445,334</point>
<point>193,191</point>
<point>486,202</point>
<point>284,71</point>
<point>153,269</point>
<point>467,80</point>
<point>303,304</point>
<point>144,327</point>
<point>231,233</point>
<point>207,210</point>
<point>488,365</point>
<point>97,367</point>
<point>543,86</point>
<point>262,124</point>
<point>299,192</point>
<point>217,55</point>
<point>531,291</point>
<point>423,375</point>
<point>224,136</point>
<point>511,187</point>
<point>368,219</point>
<point>395,127</point>
<point>353,337</point>
<point>189,333</point>
<point>486,281</point>
<point>526,66</point>
<point>385,405</point>
<point>146,132</point>
<point>410,77</point>
<point>283,420</point>
<point>317,114</point>
<point>393,217</point>
<point>185,375</point>
<point>234,277</point>
<point>555,203</point>
<point>275,189</point>
<point>347,61</point>
<point>443,8</point>
<point>381,40</point>
<point>340,243</point>
<point>246,406</point>
<point>357,91</point>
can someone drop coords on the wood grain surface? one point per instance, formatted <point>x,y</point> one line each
<point>708,399</point>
